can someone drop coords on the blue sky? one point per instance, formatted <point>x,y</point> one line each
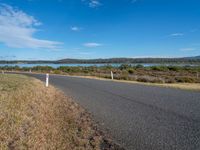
<point>56,29</point>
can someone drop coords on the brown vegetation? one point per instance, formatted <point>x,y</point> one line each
<point>153,74</point>
<point>35,117</point>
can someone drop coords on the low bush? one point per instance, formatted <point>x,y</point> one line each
<point>57,72</point>
<point>124,66</point>
<point>174,68</point>
<point>42,68</point>
<point>131,70</point>
<point>150,79</point>
<point>159,74</point>
<point>185,79</point>
<point>159,68</point>
<point>139,66</point>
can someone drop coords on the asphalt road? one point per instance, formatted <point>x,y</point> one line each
<point>138,117</point>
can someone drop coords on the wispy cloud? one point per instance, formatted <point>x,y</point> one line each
<point>187,49</point>
<point>97,3</point>
<point>92,3</point>
<point>91,45</point>
<point>17,29</point>
<point>75,28</point>
<point>176,35</point>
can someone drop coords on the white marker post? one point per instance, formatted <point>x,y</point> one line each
<point>47,80</point>
<point>112,75</point>
<point>2,72</point>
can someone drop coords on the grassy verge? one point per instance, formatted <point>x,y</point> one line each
<point>183,86</point>
<point>34,117</point>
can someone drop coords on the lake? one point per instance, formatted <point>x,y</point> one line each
<point>87,65</point>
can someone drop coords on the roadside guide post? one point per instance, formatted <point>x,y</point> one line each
<point>2,72</point>
<point>47,80</point>
<point>112,75</point>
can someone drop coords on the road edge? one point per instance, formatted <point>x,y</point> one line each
<point>181,86</point>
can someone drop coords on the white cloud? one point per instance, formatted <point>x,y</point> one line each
<point>176,34</point>
<point>75,28</point>
<point>17,29</point>
<point>91,45</point>
<point>187,49</point>
<point>92,3</point>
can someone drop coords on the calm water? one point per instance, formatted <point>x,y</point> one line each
<point>86,65</point>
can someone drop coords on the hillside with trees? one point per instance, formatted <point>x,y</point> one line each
<point>108,61</point>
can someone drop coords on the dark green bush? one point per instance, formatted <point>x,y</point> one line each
<point>174,68</point>
<point>124,66</point>
<point>139,66</point>
<point>26,68</point>
<point>131,70</point>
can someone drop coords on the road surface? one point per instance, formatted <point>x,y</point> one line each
<point>138,117</point>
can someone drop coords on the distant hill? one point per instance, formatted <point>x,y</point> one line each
<point>195,59</point>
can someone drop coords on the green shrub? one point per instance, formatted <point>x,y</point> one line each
<point>26,68</point>
<point>174,68</point>
<point>131,70</point>
<point>68,69</point>
<point>159,68</point>
<point>124,66</point>
<point>57,72</point>
<point>85,71</point>
<point>139,66</point>
<point>42,68</point>
<point>106,67</point>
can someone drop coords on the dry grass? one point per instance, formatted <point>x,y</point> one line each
<point>34,117</point>
<point>183,86</point>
